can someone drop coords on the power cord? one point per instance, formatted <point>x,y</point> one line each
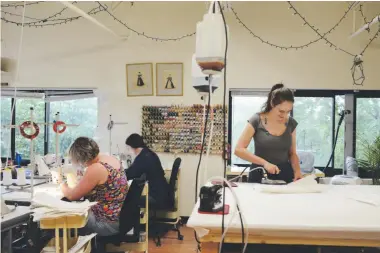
<point>203,142</point>
<point>237,210</point>
<point>342,114</point>
<point>224,124</point>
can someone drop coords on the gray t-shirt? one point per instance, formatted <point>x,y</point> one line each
<point>274,149</point>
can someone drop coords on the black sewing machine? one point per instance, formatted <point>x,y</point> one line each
<point>210,199</point>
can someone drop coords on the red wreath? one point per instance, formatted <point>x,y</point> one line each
<point>28,124</point>
<point>57,124</point>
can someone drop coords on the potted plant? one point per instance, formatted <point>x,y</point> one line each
<point>371,159</point>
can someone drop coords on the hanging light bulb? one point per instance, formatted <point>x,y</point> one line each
<point>357,70</point>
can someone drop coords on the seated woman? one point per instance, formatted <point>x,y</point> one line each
<point>103,181</point>
<point>148,164</point>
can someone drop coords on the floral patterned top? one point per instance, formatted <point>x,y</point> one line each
<point>110,195</point>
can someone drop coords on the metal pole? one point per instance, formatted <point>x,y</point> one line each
<point>32,163</point>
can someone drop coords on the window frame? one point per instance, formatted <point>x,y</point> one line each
<point>316,93</point>
<point>49,93</point>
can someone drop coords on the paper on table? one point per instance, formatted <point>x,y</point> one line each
<point>304,185</point>
<point>82,240</point>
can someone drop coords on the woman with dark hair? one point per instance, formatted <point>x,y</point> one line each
<point>148,164</point>
<point>274,135</point>
<point>103,182</point>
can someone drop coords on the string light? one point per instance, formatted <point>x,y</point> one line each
<point>50,21</point>
<point>20,4</point>
<point>305,23</point>
<point>142,33</point>
<point>321,36</point>
<point>358,62</point>
<point>363,16</point>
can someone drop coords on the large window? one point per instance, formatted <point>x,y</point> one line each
<point>367,123</point>
<point>315,124</point>
<point>6,119</point>
<point>81,112</point>
<point>317,113</point>
<point>23,114</point>
<point>251,105</point>
<point>78,107</point>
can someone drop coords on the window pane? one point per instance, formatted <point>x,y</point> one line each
<point>314,130</point>
<point>6,119</point>
<point>242,109</point>
<point>83,112</point>
<point>23,114</point>
<point>339,149</point>
<point>367,123</point>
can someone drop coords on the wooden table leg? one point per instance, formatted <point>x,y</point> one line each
<point>75,232</point>
<point>57,240</point>
<point>210,247</point>
<point>64,238</point>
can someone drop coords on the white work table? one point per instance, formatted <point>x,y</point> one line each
<point>327,218</point>
<point>25,195</point>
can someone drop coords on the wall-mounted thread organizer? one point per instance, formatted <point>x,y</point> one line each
<point>179,129</point>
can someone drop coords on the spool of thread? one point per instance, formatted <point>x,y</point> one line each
<point>21,177</point>
<point>56,177</point>
<point>7,177</point>
<point>71,179</point>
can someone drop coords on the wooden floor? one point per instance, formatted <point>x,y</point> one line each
<point>170,243</point>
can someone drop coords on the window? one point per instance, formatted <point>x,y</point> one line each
<point>75,107</point>
<point>23,113</point>
<point>367,122</point>
<point>6,119</point>
<point>82,112</point>
<point>315,124</point>
<point>243,108</point>
<point>317,113</point>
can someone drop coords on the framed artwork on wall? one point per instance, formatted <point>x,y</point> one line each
<point>139,79</point>
<point>169,79</point>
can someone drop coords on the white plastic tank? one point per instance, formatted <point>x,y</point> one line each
<point>201,82</point>
<point>211,41</point>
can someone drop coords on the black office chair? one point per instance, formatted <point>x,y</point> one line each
<point>130,216</point>
<point>170,214</point>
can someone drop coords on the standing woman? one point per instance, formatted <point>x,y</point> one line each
<point>274,135</point>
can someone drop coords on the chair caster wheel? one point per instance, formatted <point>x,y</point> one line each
<point>180,237</point>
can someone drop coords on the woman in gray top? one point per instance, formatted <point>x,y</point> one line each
<point>274,135</point>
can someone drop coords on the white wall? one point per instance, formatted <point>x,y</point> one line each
<point>80,54</point>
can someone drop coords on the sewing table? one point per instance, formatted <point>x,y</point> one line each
<point>329,218</point>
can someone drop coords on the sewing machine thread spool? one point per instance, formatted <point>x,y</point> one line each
<point>21,176</point>
<point>7,177</point>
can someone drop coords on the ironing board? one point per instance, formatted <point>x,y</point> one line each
<point>329,218</point>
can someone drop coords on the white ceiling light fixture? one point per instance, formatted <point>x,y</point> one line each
<point>93,20</point>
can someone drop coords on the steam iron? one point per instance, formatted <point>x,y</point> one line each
<point>210,199</point>
<point>272,182</point>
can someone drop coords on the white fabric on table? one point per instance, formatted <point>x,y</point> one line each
<point>304,185</point>
<point>331,213</point>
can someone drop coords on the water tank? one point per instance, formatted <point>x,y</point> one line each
<point>211,41</point>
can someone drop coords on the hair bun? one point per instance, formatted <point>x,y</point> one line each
<point>277,86</point>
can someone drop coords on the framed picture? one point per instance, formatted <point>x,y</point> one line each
<point>139,79</point>
<point>169,79</point>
